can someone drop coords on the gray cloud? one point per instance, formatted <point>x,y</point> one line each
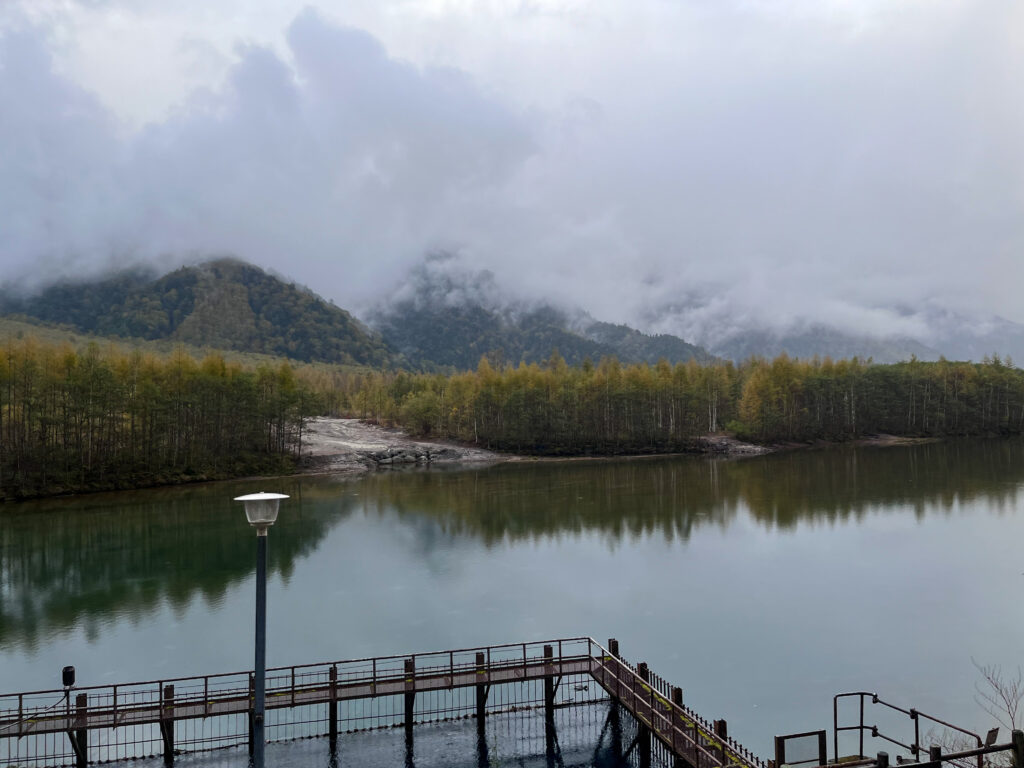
<point>707,167</point>
<point>339,168</point>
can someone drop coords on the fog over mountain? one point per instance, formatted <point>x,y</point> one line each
<point>702,169</point>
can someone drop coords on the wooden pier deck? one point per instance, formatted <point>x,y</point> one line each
<point>657,707</point>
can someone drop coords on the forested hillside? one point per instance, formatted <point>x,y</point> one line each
<point>431,331</point>
<point>224,304</point>
<point>92,420</point>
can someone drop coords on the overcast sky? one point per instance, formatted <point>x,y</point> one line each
<point>709,162</point>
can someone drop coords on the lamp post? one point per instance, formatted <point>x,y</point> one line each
<point>261,512</point>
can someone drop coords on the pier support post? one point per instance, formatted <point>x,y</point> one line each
<point>79,737</point>
<point>1017,739</point>
<point>677,696</point>
<point>167,722</point>
<point>483,757</point>
<point>644,731</point>
<point>549,700</point>
<point>410,695</point>
<point>615,722</point>
<point>481,692</point>
<point>614,714</point>
<point>677,699</point>
<point>549,683</point>
<point>332,710</point>
<point>721,729</point>
<point>252,716</point>
<point>410,753</point>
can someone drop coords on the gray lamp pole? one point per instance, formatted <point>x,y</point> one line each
<point>261,512</point>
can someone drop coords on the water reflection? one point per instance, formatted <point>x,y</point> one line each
<point>674,497</point>
<point>82,562</point>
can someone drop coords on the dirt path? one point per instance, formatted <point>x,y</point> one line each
<point>350,445</point>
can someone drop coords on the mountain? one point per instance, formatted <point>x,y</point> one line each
<point>447,316</point>
<point>225,304</point>
<point>632,345</point>
<point>963,337</point>
<point>822,341</point>
<point>927,331</point>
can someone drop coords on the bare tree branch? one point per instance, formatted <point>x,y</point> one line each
<point>999,694</point>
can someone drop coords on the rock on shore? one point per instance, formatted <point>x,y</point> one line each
<point>730,446</point>
<point>351,445</point>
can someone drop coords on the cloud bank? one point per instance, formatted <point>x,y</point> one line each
<point>692,167</point>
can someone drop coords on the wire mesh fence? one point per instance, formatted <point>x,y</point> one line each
<point>173,718</point>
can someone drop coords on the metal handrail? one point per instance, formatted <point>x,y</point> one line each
<point>740,753</point>
<point>914,714</point>
<point>937,757</point>
<point>395,657</point>
<point>121,700</point>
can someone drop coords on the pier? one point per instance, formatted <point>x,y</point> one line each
<point>170,717</point>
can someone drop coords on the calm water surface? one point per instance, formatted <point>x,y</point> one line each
<point>761,586</point>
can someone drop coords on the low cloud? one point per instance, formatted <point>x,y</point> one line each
<point>708,167</point>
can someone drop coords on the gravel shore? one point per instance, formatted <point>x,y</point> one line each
<point>352,446</point>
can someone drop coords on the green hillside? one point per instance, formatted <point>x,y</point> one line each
<point>224,304</point>
<point>430,329</point>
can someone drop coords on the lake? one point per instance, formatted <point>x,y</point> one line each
<point>761,586</point>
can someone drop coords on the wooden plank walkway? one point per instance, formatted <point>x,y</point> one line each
<point>656,706</point>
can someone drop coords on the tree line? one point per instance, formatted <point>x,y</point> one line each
<point>107,418</point>
<point>614,408</point>
<point>93,419</point>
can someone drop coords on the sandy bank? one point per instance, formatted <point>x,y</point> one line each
<point>351,445</point>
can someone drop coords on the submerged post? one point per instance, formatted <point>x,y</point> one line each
<point>81,740</point>
<point>332,710</point>
<point>549,700</point>
<point>252,710</point>
<point>167,723</point>
<point>643,743</point>
<point>549,683</point>
<point>481,692</point>
<point>410,694</point>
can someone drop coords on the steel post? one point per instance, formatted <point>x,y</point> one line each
<point>261,648</point>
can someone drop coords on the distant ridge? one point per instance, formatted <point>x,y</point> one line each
<point>822,341</point>
<point>224,304</point>
<point>451,317</point>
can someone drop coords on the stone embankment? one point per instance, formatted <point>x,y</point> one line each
<point>351,445</point>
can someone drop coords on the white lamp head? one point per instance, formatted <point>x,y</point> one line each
<point>261,509</point>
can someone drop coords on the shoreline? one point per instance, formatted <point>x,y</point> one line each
<point>353,447</point>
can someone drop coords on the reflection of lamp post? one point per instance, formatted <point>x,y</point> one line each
<point>261,511</point>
